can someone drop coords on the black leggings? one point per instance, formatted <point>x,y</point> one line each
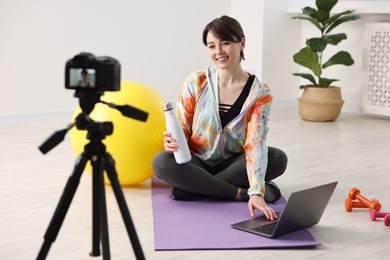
<point>222,180</point>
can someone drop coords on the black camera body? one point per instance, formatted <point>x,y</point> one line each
<point>85,72</point>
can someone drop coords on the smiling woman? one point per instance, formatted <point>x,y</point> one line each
<point>224,112</point>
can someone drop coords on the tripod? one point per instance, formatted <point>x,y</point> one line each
<point>95,152</point>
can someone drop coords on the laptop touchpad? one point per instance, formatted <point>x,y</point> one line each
<point>256,222</point>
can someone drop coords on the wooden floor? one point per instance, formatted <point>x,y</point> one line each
<point>354,150</point>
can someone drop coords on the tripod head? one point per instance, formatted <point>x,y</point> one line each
<point>97,130</point>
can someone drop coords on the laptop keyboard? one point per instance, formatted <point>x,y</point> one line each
<point>266,229</point>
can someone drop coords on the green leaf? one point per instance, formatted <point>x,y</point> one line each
<point>334,39</point>
<point>342,58</point>
<point>320,16</point>
<point>312,20</point>
<point>306,76</point>
<point>317,44</point>
<point>336,16</point>
<point>326,5</point>
<point>305,57</point>
<point>343,20</point>
<point>309,11</point>
<point>324,82</point>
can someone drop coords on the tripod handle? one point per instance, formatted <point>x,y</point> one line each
<point>54,139</point>
<point>129,111</point>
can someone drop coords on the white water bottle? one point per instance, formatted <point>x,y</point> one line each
<point>182,154</point>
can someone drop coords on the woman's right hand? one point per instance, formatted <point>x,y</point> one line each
<point>258,202</point>
<point>169,142</point>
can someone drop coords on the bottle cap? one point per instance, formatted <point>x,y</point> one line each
<point>168,106</point>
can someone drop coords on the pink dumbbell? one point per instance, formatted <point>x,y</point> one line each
<point>385,215</point>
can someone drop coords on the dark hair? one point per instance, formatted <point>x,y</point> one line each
<point>225,28</point>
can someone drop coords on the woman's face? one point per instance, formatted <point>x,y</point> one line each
<point>224,54</point>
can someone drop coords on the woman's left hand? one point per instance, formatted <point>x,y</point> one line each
<point>258,202</point>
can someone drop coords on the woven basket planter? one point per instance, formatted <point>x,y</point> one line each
<point>320,104</point>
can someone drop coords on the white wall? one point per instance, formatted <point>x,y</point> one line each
<point>250,16</point>
<point>158,43</point>
<point>281,40</point>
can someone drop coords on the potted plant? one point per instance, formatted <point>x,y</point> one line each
<point>320,101</point>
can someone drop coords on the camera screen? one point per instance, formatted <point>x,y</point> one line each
<point>82,78</point>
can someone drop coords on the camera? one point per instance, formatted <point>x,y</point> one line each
<point>85,72</point>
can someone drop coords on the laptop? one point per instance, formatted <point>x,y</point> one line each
<point>303,209</point>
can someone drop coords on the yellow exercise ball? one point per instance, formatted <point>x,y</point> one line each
<point>133,143</point>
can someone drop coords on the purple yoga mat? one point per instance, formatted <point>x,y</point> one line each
<point>204,223</point>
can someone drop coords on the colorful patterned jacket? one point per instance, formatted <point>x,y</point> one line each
<point>198,112</point>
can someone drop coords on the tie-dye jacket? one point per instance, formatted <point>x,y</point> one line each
<point>198,112</point>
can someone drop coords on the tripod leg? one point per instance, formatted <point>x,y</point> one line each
<point>103,222</point>
<point>63,206</point>
<point>113,176</point>
<point>99,220</point>
<point>103,215</point>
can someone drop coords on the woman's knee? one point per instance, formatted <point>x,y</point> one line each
<point>162,164</point>
<point>277,160</point>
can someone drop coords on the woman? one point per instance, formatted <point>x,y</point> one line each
<point>224,112</point>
